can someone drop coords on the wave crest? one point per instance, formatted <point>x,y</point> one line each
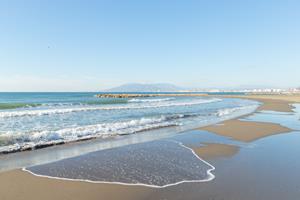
<point>29,140</point>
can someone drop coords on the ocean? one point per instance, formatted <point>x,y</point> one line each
<point>33,120</point>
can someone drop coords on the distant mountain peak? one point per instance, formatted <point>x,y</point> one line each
<point>144,87</point>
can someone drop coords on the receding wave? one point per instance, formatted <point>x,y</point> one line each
<point>5,106</point>
<point>19,141</point>
<point>40,112</point>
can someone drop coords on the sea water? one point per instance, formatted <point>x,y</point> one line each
<point>29,120</point>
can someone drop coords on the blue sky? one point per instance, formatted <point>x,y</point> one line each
<point>72,45</point>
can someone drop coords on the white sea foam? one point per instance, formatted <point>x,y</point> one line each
<point>40,112</point>
<point>25,140</point>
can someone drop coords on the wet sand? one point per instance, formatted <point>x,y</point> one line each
<point>246,131</point>
<point>213,150</point>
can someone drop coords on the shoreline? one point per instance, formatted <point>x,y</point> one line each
<point>84,190</point>
<point>85,145</point>
<point>281,103</point>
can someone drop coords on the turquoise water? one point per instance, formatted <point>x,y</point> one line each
<point>29,120</point>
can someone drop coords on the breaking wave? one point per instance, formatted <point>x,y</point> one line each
<point>19,141</point>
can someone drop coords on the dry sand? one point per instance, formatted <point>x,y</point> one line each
<point>246,131</point>
<point>213,150</point>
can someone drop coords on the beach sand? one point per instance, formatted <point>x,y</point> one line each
<point>246,131</point>
<point>20,185</point>
<point>280,103</point>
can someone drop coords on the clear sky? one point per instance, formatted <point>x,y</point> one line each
<point>71,45</point>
